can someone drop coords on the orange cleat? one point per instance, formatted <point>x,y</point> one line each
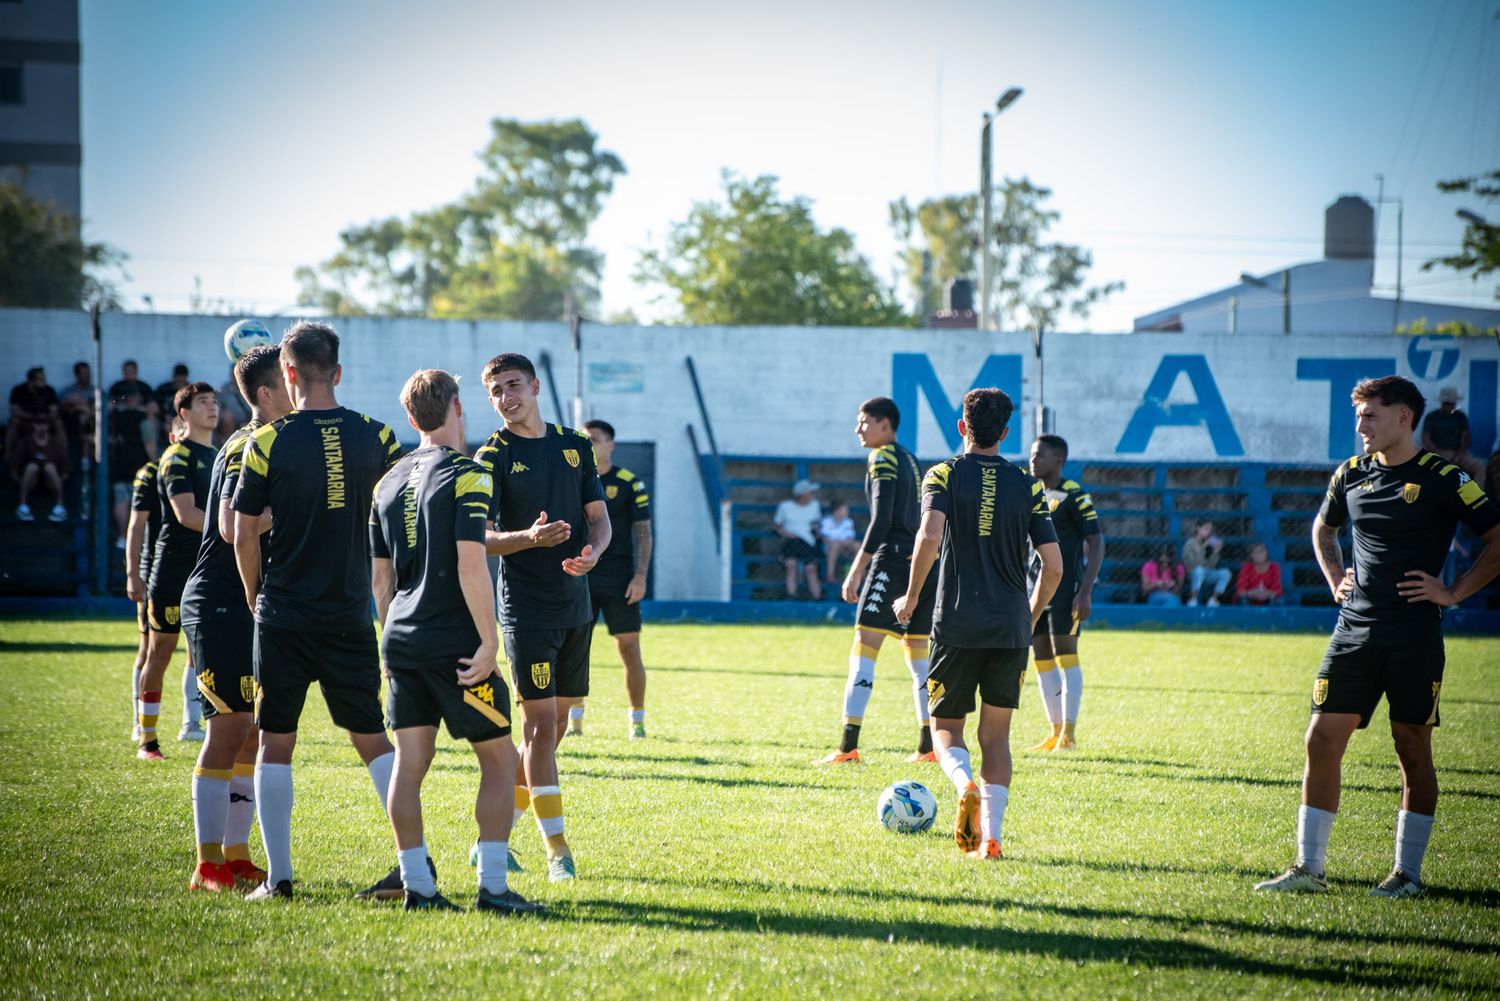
<point>988,852</point>
<point>213,877</point>
<point>917,756</point>
<point>840,758</point>
<point>1066,743</point>
<point>1049,743</point>
<point>966,823</point>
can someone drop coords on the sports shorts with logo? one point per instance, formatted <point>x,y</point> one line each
<point>426,696</point>
<point>549,663</point>
<point>884,583</point>
<point>222,648</point>
<point>1407,671</point>
<point>607,594</point>
<point>140,617</point>
<point>346,666</point>
<point>1057,618</point>
<point>956,674</point>
<point>164,602</point>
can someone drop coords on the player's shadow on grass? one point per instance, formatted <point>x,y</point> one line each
<point>1219,778</point>
<point>753,672</point>
<point>37,646</point>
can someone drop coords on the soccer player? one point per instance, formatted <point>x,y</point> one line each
<point>1403,505</point>
<point>437,611</point>
<point>316,470</point>
<point>880,574</point>
<point>182,479</point>
<point>220,635</point>
<point>541,471</point>
<point>1059,677</point>
<point>618,583</point>
<point>981,511</point>
<point>140,535</point>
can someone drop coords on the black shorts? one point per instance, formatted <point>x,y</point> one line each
<point>608,597</point>
<point>426,696</point>
<point>220,649</point>
<point>954,674</point>
<point>885,582</point>
<point>549,663</point>
<point>164,610</point>
<point>1409,674</point>
<point>1057,618</point>
<point>345,665</point>
<point>802,552</point>
<point>140,618</point>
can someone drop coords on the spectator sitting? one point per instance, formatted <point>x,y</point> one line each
<point>132,441</point>
<point>78,411</point>
<point>795,520</point>
<point>837,532</point>
<point>1446,432</point>
<point>167,391</point>
<point>31,402</point>
<point>1201,554</point>
<point>1161,579</point>
<point>41,456</point>
<point>1259,582</point>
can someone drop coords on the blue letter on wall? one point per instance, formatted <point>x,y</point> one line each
<point>912,374</point>
<point>1155,411</point>
<point>1341,374</point>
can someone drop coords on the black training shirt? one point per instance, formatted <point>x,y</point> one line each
<point>892,479</point>
<point>143,498</point>
<point>215,588</point>
<point>626,500</point>
<point>1074,518</point>
<point>185,467</point>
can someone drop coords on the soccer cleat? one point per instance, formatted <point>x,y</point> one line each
<point>150,752</point>
<point>191,732</point>
<point>966,822</point>
<point>561,869</point>
<point>637,731</point>
<point>246,873</point>
<point>389,886</point>
<point>213,877</point>
<point>512,864</point>
<point>840,758</point>
<point>265,891</point>
<point>575,728</point>
<point>1298,879</point>
<point>508,902</point>
<point>1398,884</point>
<point>1049,744</point>
<point>988,852</point>
<point>1065,743</point>
<point>917,756</point>
<point>436,902</point>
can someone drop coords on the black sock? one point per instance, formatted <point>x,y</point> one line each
<point>924,740</point>
<point>851,738</point>
<point>151,745</point>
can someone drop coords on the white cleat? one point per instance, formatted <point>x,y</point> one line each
<point>1398,884</point>
<point>1298,879</point>
<point>191,732</point>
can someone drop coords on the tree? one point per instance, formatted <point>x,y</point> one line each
<point>754,259</point>
<point>1035,281</point>
<point>512,247</point>
<point>45,263</point>
<point>1480,252</point>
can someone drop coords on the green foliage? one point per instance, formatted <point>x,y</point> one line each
<point>512,248</point>
<point>45,263</point>
<point>1451,328</point>
<point>1035,281</point>
<point>1480,252</point>
<point>755,259</point>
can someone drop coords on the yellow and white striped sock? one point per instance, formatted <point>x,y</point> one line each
<point>210,807</point>
<point>523,800</point>
<point>1072,685</point>
<point>150,709</point>
<point>546,803</point>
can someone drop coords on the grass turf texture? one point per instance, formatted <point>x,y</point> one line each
<point>714,861</point>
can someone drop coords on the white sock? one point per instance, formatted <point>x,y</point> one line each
<point>861,682</point>
<point>1072,684</point>
<point>241,809</point>
<point>955,764</point>
<point>575,712</point>
<point>638,716</point>
<point>415,875</point>
<point>273,805</point>
<point>492,866</point>
<point>135,693</point>
<point>210,808</point>
<point>1412,832</point>
<point>1313,826</point>
<point>1050,684</point>
<point>992,800</point>
<point>380,774</point>
<point>192,709</point>
<point>918,668</point>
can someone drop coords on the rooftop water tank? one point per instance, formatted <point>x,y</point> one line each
<point>1349,230</point>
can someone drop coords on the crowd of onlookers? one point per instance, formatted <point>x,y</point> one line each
<point>1198,577</point>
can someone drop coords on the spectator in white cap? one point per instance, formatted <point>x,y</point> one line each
<point>1446,432</point>
<point>796,522</point>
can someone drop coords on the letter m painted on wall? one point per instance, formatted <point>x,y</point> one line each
<point>912,375</point>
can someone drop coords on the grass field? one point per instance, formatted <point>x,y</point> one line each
<point>714,862</point>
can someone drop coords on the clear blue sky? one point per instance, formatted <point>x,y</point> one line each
<point>1185,140</point>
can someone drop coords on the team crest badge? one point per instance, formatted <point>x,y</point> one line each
<point>611,491</point>
<point>1410,491</point>
<point>247,688</point>
<point>571,454</point>
<point>1320,691</point>
<point>541,674</point>
<point>173,614</point>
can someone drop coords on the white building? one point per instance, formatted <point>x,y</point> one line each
<point>40,142</point>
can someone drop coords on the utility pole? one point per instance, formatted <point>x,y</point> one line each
<point>986,210</point>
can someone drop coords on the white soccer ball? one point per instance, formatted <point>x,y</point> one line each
<point>906,808</point>
<point>243,336</point>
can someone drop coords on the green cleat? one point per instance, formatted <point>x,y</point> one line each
<point>561,869</point>
<point>637,731</point>
<point>512,864</point>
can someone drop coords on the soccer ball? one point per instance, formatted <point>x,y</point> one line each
<point>243,336</point>
<point>906,808</point>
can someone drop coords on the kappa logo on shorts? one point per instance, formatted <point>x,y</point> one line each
<point>571,454</point>
<point>1410,491</point>
<point>247,688</point>
<point>611,491</point>
<point>485,693</point>
<point>1320,691</point>
<point>935,692</point>
<point>541,674</point>
<point>206,679</point>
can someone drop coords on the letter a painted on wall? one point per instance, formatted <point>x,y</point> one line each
<point>912,374</point>
<point>1208,410</point>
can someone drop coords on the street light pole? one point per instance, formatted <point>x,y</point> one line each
<point>986,210</point>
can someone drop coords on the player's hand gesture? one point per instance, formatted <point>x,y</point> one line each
<point>850,591</point>
<point>1346,587</point>
<point>478,667</point>
<point>582,563</point>
<point>636,589</point>
<point>135,589</point>
<point>1425,587</point>
<point>544,534</point>
<point>902,608</point>
<point>1083,604</point>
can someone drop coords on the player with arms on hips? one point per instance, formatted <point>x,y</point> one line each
<point>220,636</point>
<point>1402,505</point>
<point>437,613</point>
<point>618,583</point>
<point>1059,677</point>
<point>140,543</point>
<point>315,470</point>
<point>981,512</point>
<point>879,576</point>
<point>182,480</point>
<point>542,471</point>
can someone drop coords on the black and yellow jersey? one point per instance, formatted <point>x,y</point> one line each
<point>185,467</point>
<point>316,470</point>
<point>628,501</point>
<point>1402,518</point>
<point>554,473</point>
<point>214,587</point>
<point>1074,518</point>
<point>993,510</point>
<point>892,486</point>
<point>143,498</point>
<point>431,500</point>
